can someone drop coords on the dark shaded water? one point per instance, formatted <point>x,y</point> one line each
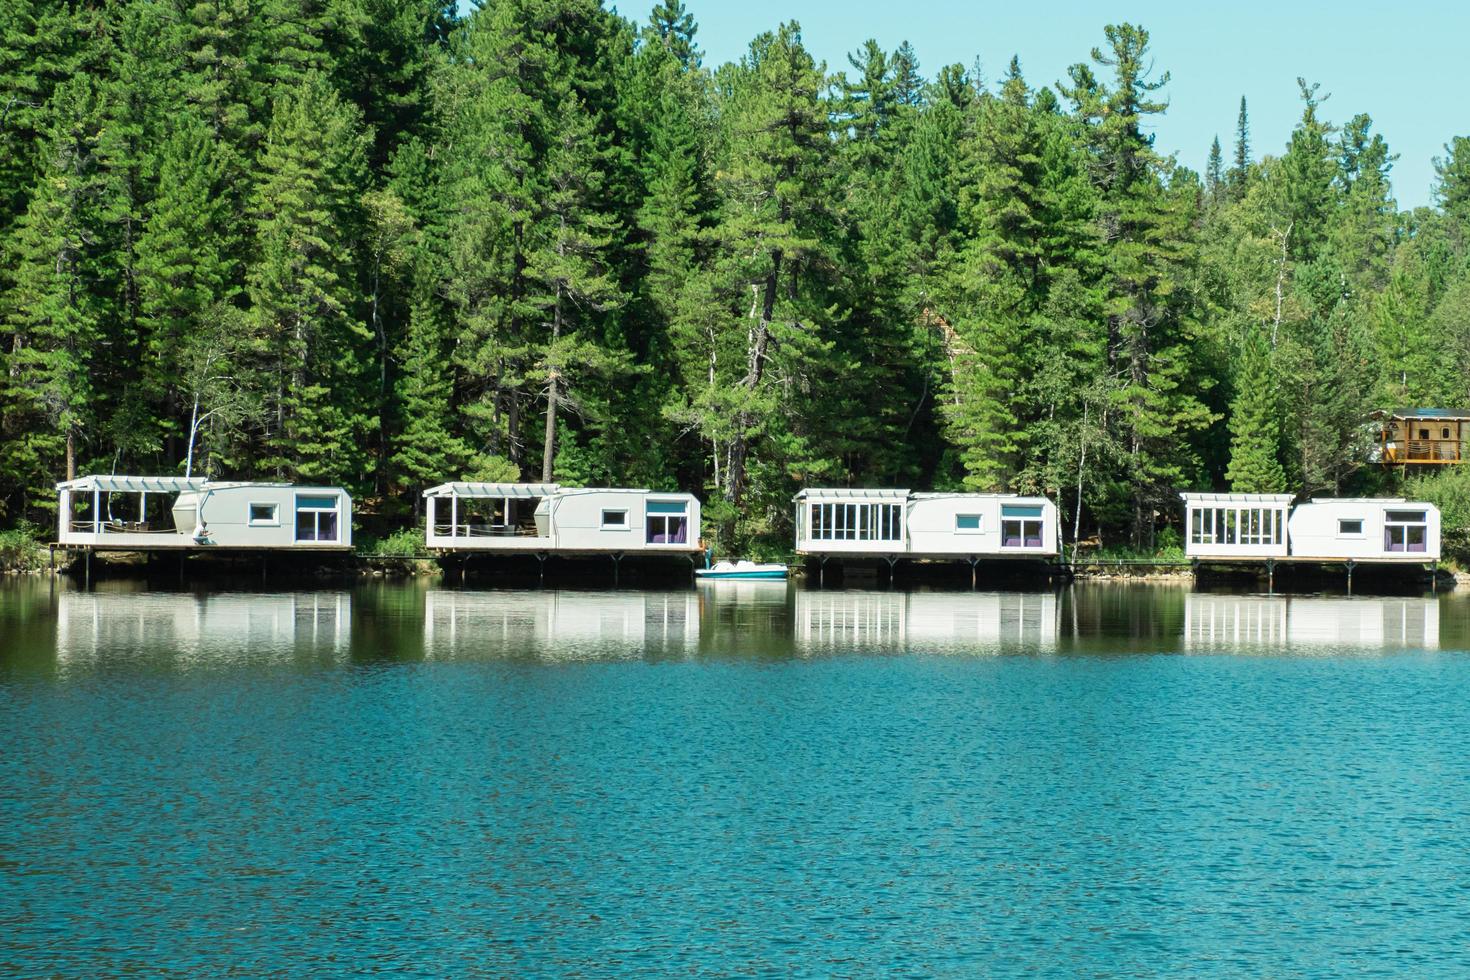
<point>743,778</point>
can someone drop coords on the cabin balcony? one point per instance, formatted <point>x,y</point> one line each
<point>1417,451</point>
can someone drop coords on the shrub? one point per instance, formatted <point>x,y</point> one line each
<point>20,551</point>
<point>405,543</point>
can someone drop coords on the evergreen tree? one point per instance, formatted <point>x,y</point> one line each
<point>302,289</point>
<point>1240,169</point>
<point>1254,419</point>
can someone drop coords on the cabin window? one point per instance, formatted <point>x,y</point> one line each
<point>615,520</point>
<point>1444,433</point>
<point>265,515</point>
<point>316,517</point>
<point>668,522</point>
<point>1020,526</point>
<point>1350,528</point>
<point>967,523</point>
<point>1423,433</point>
<point>1406,531</point>
<point>1236,525</point>
<point>856,522</point>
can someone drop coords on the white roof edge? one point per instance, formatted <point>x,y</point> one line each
<point>1237,497</point>
<point>967,495</point>
<point>1363,500</point>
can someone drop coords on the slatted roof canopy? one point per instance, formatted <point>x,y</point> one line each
<point>473,489</point>
<point>1238,498</point>
<point>850,493</point>
<point>133,484</point>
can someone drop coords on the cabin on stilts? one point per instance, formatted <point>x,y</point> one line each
<point>1246,528</point>
<point>548,519</point>
<point>1422,436</point>
<point>170,513</point>
<point>853,523</point>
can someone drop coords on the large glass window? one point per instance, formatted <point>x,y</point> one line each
<point>1406,531</point>
<point>668,522</point>
<point>317,517</point>
<point>1020,526</point>
<point>856,522</point>
<point>1237,525</point>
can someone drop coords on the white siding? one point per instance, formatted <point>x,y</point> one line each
<point>935,525</point>
<point>1316,531</point>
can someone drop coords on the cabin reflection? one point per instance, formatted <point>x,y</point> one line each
<point>202,627</point>
<point>925,621</point>
<point>1226,622</point>
<point>555,625</point>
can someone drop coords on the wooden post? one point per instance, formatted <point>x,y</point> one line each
<point>454,515</point>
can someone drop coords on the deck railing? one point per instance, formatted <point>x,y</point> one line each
<point>1422,451</point>
<point>119,527</point>
<point>484,531</point>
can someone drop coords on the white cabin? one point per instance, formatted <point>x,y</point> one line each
<point>1376,529</point>
<point>1236,525</point>
<point>546,517</point>
<point>892,523</point>
<point>130,513</point>
<point>1255,527</point>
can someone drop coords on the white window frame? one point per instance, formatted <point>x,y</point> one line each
<point>979,527</point>
<point>1361,532</point>
<point>627,525</point>
<point>273,521</point>
<point>297,510</point>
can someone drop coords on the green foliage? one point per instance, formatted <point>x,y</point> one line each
<point>21,550</point>
<point>381,243</point>
<point>405,543</point>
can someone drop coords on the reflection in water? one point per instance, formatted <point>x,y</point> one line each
<point>1224,622</point>
<point>190,629</point>
<point>44,626</point>
<point>559,625</point>
<point>925,621</point>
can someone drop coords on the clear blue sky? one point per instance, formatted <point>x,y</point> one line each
<point>1405,65</point>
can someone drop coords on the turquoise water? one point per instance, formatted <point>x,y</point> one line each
<point>1100,781</point>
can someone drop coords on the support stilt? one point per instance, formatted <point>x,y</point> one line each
<point>1350,566</point>
<point>87,569</point>
<point>1270,576</point>
<point>822,570</point>
<point>541,567</point>
<point>973,563</point>
<point>617,559</point>
<point>892,561</point>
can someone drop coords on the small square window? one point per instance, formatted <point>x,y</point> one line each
<point>265,515</point>
<point>1349,528</point>
<point>615,520</point>
<point>967,523</point>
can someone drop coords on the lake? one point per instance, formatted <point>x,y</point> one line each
<point>739,778</point>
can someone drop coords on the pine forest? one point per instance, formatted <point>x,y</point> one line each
<point>381,244</point>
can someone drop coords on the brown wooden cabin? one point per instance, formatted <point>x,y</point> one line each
<point>1423,436</point>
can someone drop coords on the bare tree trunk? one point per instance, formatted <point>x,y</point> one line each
<point>548,451</point>
<point>71,453</point>
<point>1081,469</point>
<point>759,343</point>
